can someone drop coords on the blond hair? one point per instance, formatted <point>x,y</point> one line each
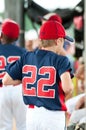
<point>47,43</point>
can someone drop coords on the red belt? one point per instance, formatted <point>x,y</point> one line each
<point>31,106</point>
<point>0,85</point>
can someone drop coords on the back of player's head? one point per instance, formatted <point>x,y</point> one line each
<point>53,30</point>
<point>10,28</point>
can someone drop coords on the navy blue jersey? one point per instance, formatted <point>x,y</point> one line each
<point>8,54</point>
<point>40,73</point>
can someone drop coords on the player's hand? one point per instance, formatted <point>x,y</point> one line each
<point>17,82</point>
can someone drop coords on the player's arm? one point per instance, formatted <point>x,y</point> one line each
<point>7,80</point>
<point>80,72</point>
<point>67,84</point>
<point>80,103</point>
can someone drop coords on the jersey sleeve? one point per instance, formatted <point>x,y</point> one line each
<point>15,69</point>
<point>64,66</point>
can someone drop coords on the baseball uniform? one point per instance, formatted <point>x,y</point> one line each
<point>42,88</point>
<point>11,101</point>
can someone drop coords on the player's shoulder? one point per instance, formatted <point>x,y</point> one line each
<point>21,49</point>
<point>1,45</point>
<point>57,56</point>
<point>60,59</point>
<point>63,58</point>
<point>28,54</point>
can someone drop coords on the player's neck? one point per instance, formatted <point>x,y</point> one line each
<point>49,49</point>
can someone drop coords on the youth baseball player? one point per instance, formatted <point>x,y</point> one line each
<point>46,79</point>
<point>57,17</point>
<point>11,102</point>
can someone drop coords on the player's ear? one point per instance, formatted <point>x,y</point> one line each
<point>1,35</point>
<point>60,41</point>
<point>57,41</point>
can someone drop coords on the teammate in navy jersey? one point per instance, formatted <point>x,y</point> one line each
<point>11,101</point>
<point>46,78</point>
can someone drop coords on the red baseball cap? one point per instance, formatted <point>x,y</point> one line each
<point>56,17</point>
<point>10,28</point>
<point>53,30</point>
